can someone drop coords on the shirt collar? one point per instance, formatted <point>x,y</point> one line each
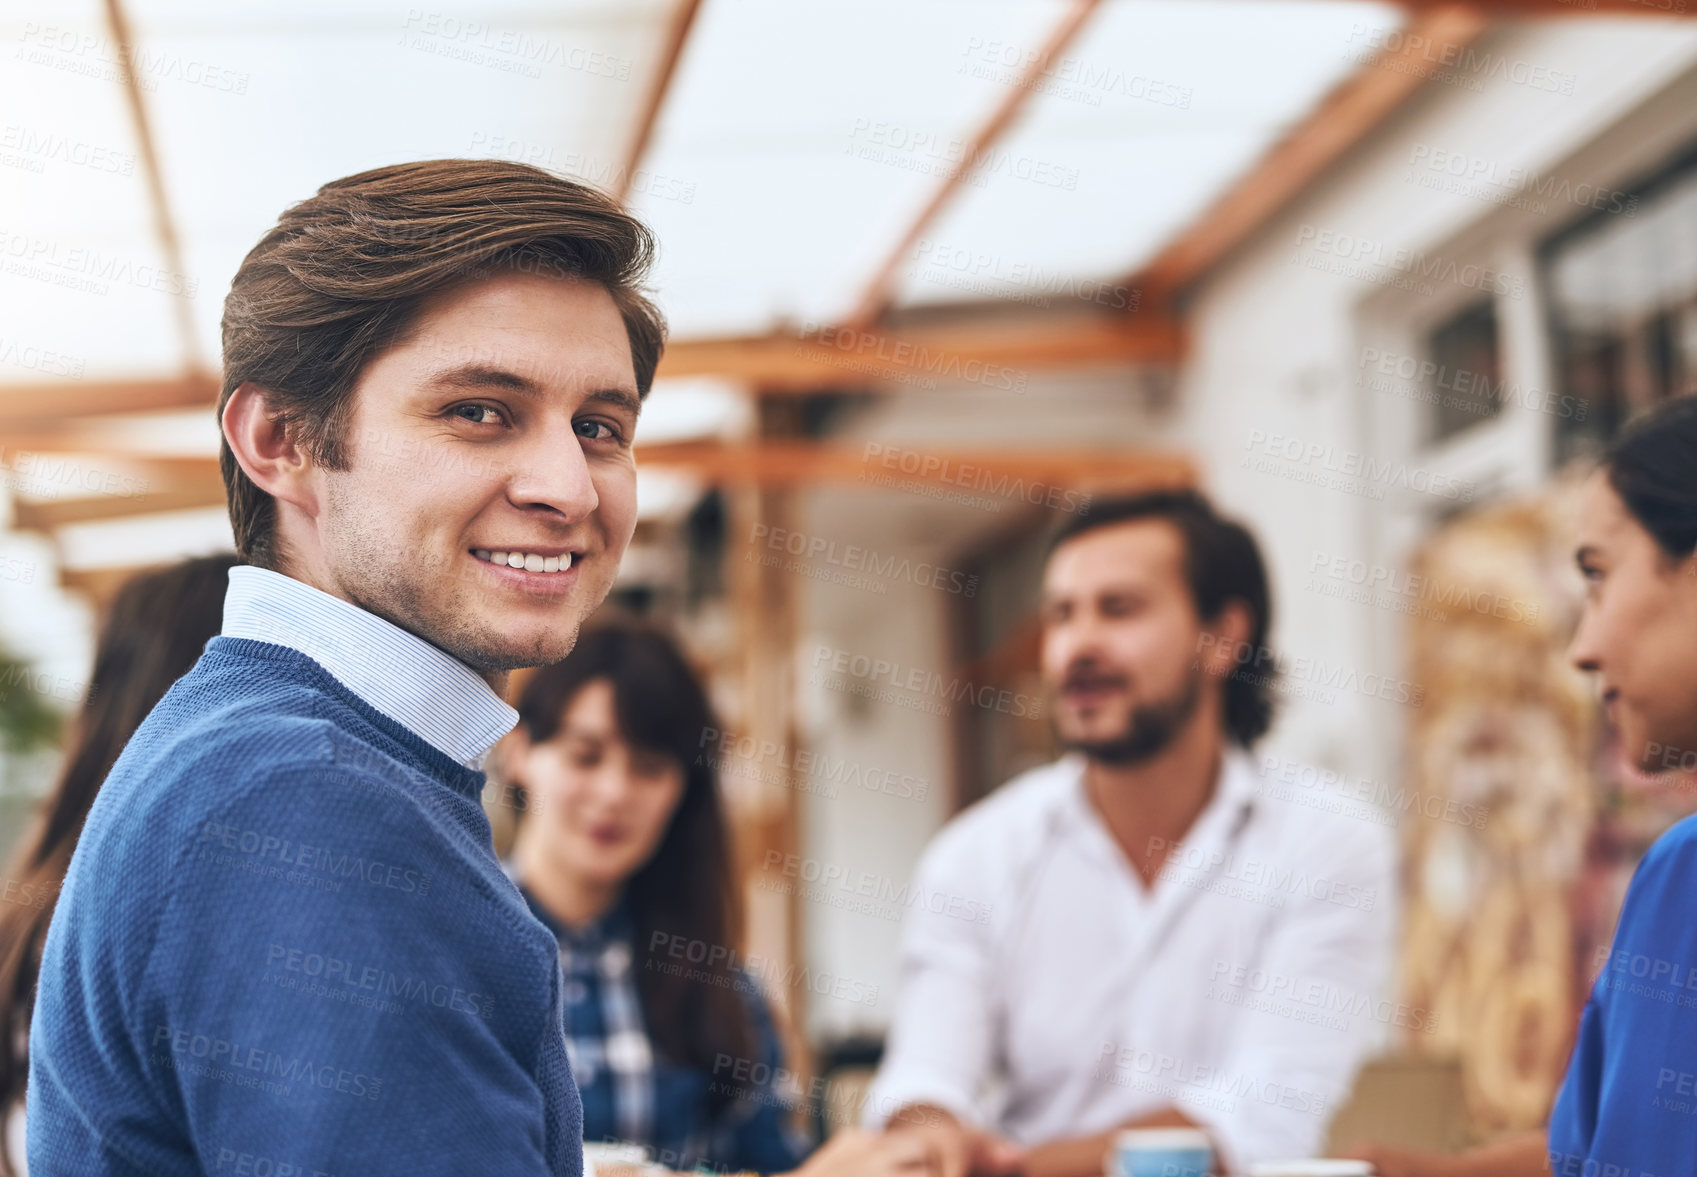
<point>431,693</point>
<point>1235,790</point>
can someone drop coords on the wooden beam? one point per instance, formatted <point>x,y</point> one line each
<point>24,405</point>
<point>164,224</point>
<point>654,100</point>
<point>881,290</point>
<point>1354,108</point>
<point>788,463</point>
<point>180,484</point>
<point>174,492</point>
<point>1526,8</point>
<point>805,360</point>
<point>990,353</point>
<point>792,462</point>
<point>875,464</point>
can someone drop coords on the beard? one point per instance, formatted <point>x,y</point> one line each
<point>1148,730</point>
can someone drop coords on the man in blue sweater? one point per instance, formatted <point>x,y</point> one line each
<point>284,945</point>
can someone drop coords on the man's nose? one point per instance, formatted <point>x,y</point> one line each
<point>550,473</point>
<point>1070,645</point>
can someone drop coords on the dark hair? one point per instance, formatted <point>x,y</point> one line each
<point>1222,564</point>
<point>153,632</point>
<point>688,887</point>
<point>344,273</point>
<point>1653,468</point>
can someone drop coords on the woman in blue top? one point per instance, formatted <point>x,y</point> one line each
<point>623,850</point>
<point>1628,1107</point>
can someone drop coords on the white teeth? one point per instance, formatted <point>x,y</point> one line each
<point>529,561</point>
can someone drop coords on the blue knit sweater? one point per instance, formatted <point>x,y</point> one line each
<point>285,946</point>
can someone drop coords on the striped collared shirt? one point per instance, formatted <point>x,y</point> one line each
<point>429,692</point>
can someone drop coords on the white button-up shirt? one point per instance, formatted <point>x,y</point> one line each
<point>428,691</point>
<point>1046,994</point>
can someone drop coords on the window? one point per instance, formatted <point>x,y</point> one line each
<point>1466,374</point>
<point>1623,307</point>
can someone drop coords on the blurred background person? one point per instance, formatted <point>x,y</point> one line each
<point>1070,926</point>
<point>154,631</point>
<point>624,852</point>
<point>1622,1107</point>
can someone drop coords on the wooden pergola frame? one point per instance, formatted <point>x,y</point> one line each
<point>148,484</point>
<point>1341,120</point>
<point>880,292</point>
<point>164,221</point>
<point>861,353</point>
<point>678,28</point>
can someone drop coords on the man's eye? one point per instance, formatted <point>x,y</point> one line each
<point>479,414</point>
<point>587,431</point>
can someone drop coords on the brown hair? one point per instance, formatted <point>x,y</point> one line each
<point>343,274</point>
<point>154,631</point>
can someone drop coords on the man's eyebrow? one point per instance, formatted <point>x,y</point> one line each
<point>618,396</point>
<point>483,376</point>
<point>488,376</point>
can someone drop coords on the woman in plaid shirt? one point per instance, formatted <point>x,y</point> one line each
<point>623,851</point>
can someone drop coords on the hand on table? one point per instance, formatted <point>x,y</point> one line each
<point>849,1153</point>
<point>953,1150</point>
<point>852,1153</point>
<point>907,1153</point>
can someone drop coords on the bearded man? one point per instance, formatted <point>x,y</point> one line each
<point>1154,930</point>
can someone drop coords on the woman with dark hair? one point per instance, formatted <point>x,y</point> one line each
<point>624,852</point>
<point>153,632</point>
<point>1626,1104</point>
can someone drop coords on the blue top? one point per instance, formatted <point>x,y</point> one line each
<point>634,1095</point>
<point>284,944</point>
<point>1628,1107</point>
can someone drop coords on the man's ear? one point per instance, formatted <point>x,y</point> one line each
<point>1231,631</point>
<point>264,449</point>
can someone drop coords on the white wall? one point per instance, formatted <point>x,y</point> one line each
<point>1277,345</point>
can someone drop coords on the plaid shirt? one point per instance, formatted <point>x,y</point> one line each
<point>630,1095</point>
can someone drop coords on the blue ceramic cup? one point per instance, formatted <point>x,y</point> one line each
<point>1161,1152</point>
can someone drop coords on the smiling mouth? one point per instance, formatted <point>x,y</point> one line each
<point>528,561</point>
